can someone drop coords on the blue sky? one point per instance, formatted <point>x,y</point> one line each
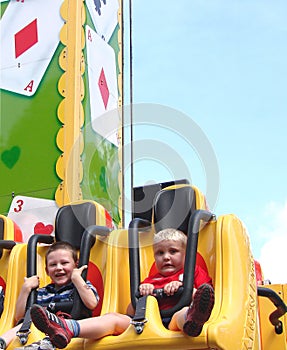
<point>222,63</point>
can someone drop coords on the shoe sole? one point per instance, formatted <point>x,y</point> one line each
<point>36,347</point>
<point>42,322</point>
<point>200,311</point>
<point>27,348</point>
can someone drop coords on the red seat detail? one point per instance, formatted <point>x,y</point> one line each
<point>95,277</point>
<point>18,236</point>
<point>2,283</point>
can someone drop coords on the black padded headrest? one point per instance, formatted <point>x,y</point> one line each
<point>72,220</point>
<point>173,207</point>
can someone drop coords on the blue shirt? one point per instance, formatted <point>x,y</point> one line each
<point>49,294</point>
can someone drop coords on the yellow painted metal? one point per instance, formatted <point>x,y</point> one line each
<point>63,59</point>
<point>60,139</point>
<point>8,233</point>
<point>69,167</point>
<point>14,280</point>
<point>270,340</point>
<point>225,248</point>
<point>234,322</point>
<point>61,111</point>
<point>60,166</point>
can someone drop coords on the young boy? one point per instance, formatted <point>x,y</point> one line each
<point>169,253</point>
<point>61,266</point>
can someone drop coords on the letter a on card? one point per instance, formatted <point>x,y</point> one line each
<point>29,36</point>
<point>103,87</point>
<point>104,15</point>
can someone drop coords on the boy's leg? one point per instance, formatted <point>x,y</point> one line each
<point>61,331</point>
<point>178,320</point>
<point>109,324</point>
<point>8,336</point>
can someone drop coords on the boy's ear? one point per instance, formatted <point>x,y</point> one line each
<point>77,263</point>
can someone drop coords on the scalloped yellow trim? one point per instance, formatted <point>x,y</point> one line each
<point>70,110</point>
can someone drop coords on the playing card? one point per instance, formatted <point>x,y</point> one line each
<point>29,36</point>
<point>103,89</point>
<point>33,215</point>
<point>104,15</point>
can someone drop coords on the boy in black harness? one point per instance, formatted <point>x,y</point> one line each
<point>169,253</point>
<point>61,267</point>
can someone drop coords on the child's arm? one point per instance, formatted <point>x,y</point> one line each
<point>86,294</point>
<point>30,283</point>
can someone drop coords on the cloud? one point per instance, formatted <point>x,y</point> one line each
<point>273,255</point>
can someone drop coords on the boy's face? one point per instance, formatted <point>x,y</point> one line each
<point>169,256</point>
<point>60,265</point>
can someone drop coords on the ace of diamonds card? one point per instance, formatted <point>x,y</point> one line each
<point>29,36</point>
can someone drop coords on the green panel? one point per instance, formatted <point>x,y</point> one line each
<point>29,126</point>
<point>100,157</point>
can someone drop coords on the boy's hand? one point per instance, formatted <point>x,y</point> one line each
<point>146,289</point>
<point>31,282</point>
<point>172,287</point>
<point>77,272</point>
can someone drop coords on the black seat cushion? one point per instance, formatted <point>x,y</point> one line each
<point>173,207</point>
<point>72,220</point>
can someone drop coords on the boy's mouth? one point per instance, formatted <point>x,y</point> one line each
<point>167,266</point>
<point>60,275</point>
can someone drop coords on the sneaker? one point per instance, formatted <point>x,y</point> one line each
<point>199,311</point>
<point>54,326</point>
<point>44,344</point>
<point>2,344</point>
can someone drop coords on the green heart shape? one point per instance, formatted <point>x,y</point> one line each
<point>11,156</point>
<point>103,183</point>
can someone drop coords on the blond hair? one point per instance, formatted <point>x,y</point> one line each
<point>170,234</point>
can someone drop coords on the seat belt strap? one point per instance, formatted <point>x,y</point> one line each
<point>24,330</point>
<point>139,319</point>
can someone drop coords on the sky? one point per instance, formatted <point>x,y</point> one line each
<point>222,64</point>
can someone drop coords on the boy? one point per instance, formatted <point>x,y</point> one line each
<point>169,253</point>
<point>61,266</point>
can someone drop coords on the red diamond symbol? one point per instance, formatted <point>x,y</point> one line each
<point>104,88</point>
<point>26,38</point>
